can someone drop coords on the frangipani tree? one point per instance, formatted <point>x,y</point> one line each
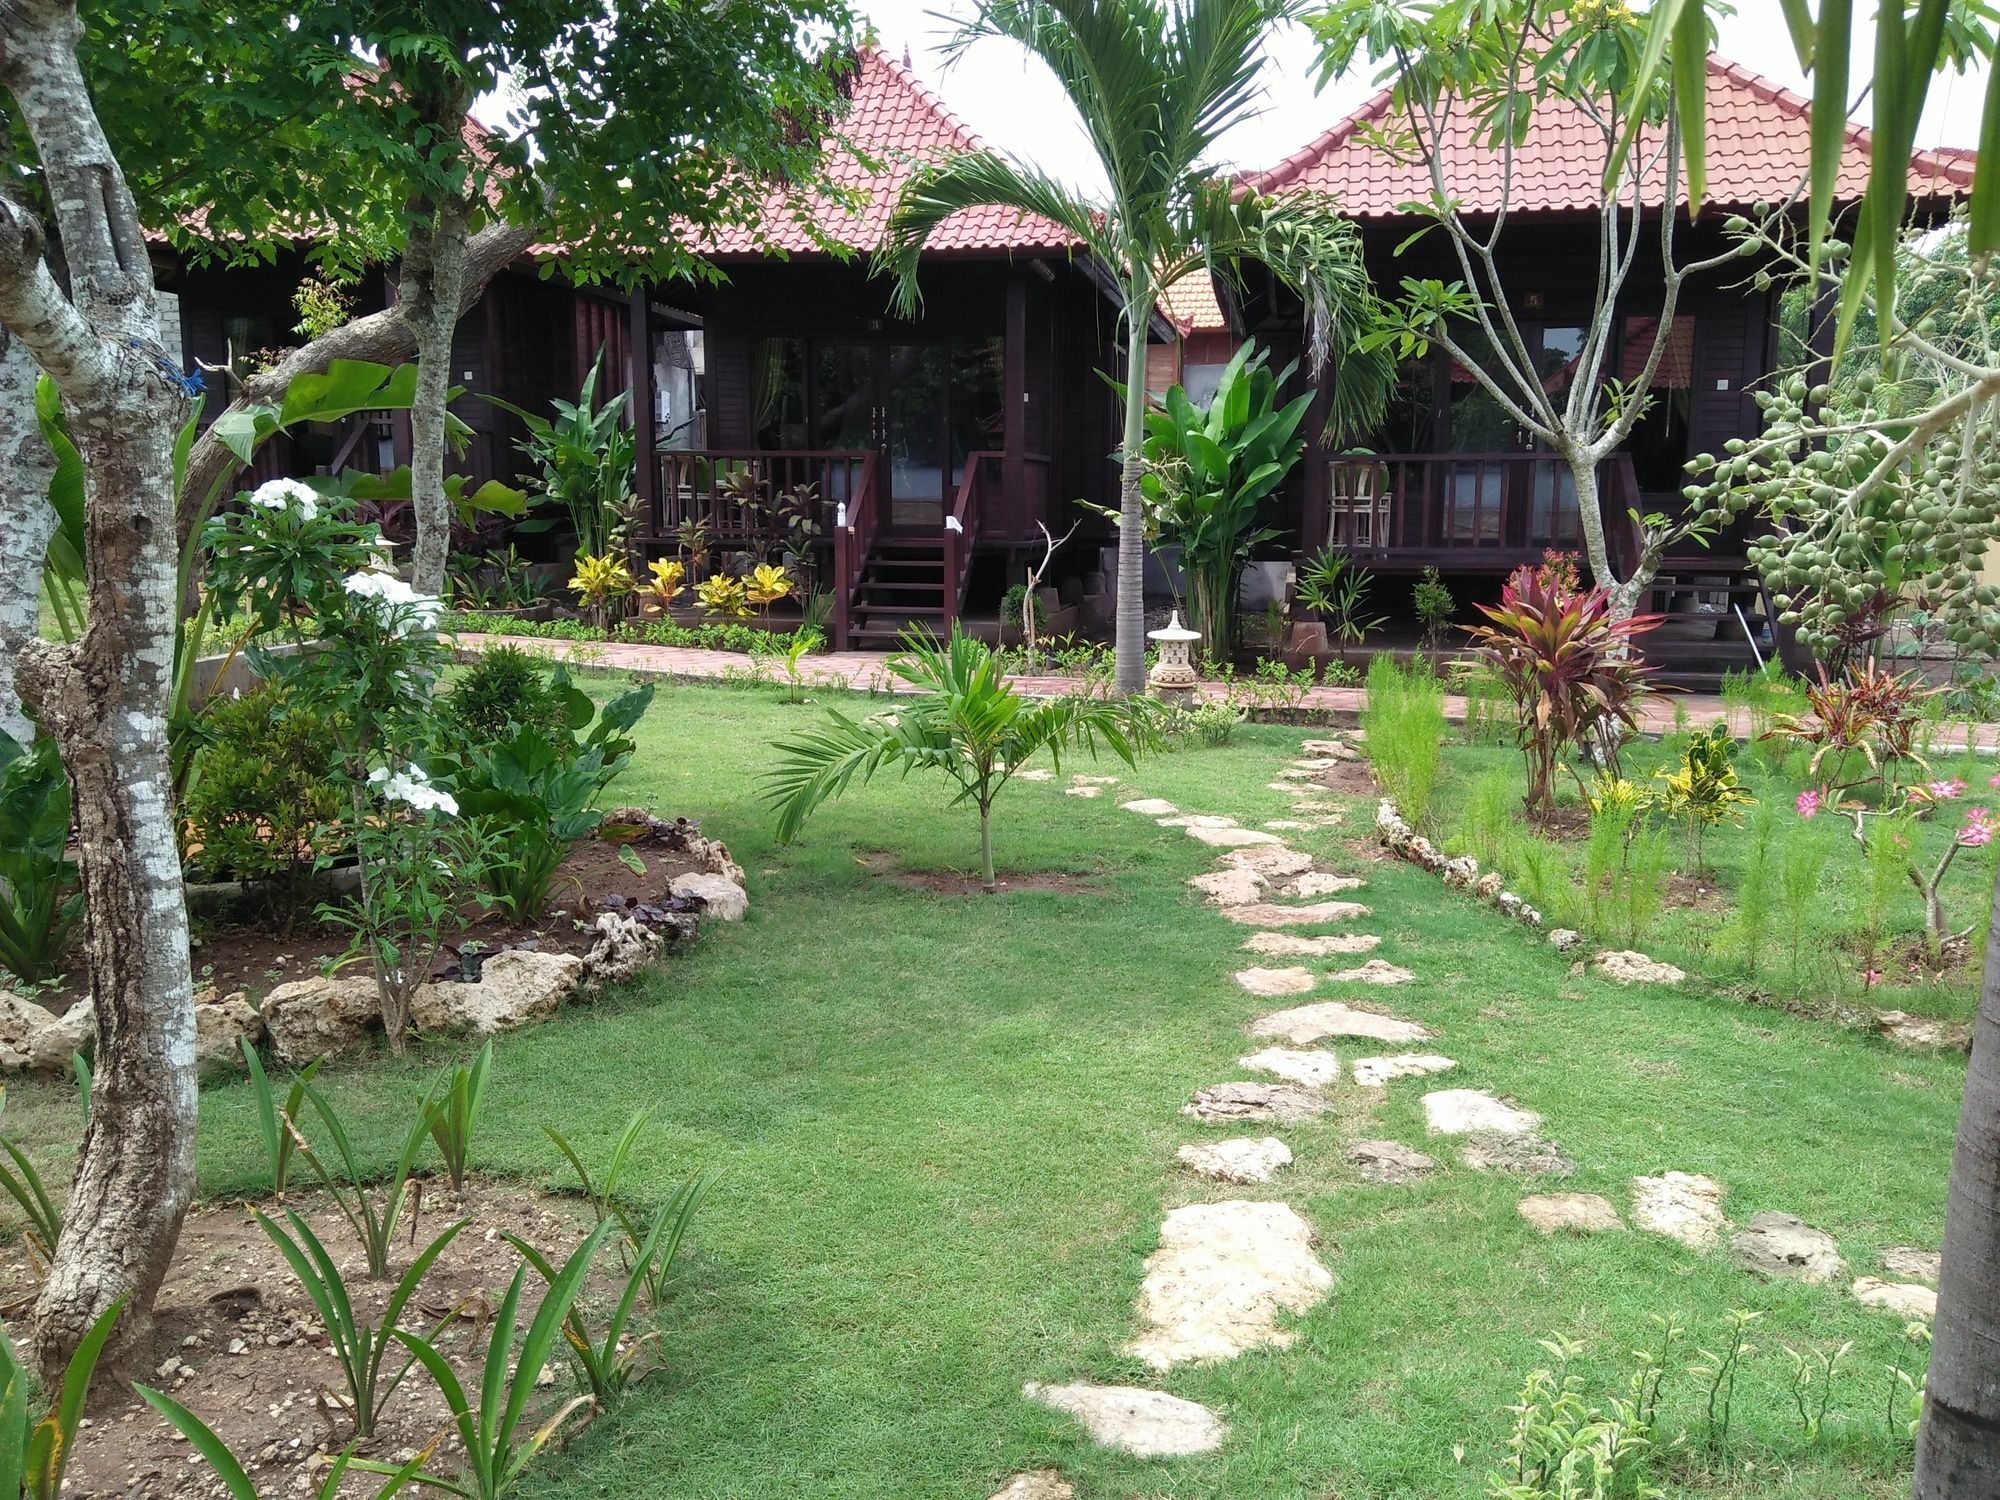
<point>1156,84</point>
<point>968,723</point>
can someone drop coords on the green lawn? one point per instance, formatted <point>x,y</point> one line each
<point>943,1128</point>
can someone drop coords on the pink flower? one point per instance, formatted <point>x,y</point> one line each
<point>1808,803</point>
<point>1978,829</point>
<point>1871,977</point>
<point>1994,779</point>
<point>1944,791</point>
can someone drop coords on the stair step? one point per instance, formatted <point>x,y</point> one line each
<point>882,586</point>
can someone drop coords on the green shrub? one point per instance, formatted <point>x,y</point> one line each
<point>505,690</point>
<point>1488,815</point>
<point>40,904</point>
<point>262,790</point>
<point>1404,720</point>
<point>1209,725</point>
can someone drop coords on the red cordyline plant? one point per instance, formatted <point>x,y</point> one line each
<point>1568,666</point>
<point>1866,712</point>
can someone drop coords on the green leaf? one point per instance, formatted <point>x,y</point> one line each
<point>204,1440</point>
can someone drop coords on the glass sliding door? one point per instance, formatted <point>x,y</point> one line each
<point>915,385</point>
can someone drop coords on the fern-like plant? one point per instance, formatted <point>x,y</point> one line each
<point>967,722</point>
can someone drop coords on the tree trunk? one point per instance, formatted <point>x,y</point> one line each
<point>986,844</point>
<point>431,284</point>
<point>26,465</point>
<point>1958,1447</point>
<point>105,698</point>
<point>1129,639</point>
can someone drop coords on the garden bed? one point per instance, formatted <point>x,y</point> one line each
<point>237,1340</point>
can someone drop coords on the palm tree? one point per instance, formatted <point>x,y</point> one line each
<point>1156,83</point>
<point>969,723</point>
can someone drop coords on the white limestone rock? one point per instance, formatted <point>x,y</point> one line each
<point>1466,1111</point>
<point>1196,820</point>
<point>1240,1159</point>
<point>516,987</point>
<point>33,1039</point>
<point>1389,1162</point>
<point>1273,861</point>
<point>1318,914</point>
<point>1304,1024</point>
<point>1375,1072</point>
<point>1043,1484</point>
<point>1318,883</point>
<point>1226,1103</point>
<point>623,946</point>
<point>726,898</point>
<point>1375,971</point>
<point>1230,887</point>
<point>1907,1300</point>
<point>1781,1244</point>
<point>1912,1264</point>
<point>1145,1424</point>
<point>1276,981</point>
<point>1083,791</point>
<point>1312,1068</point>
<point>1628,967</point>
<point>1150,807</point>
<point>1232,838</point>
<point>320,1017</point>
<point>221,1027</point>
<point>1563,939</point>
<point>1290,945</point>
<point>1223,1278</point>
<point>1037,774</point>
<point>1683,1206</point>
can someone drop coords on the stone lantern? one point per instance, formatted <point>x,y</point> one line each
<point>1173,680</point>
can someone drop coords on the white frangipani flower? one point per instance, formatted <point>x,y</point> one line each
<point>287,494</point>
<point>392,596</point>
<point>412,787</point>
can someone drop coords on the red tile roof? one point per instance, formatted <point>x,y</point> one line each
<point>1758,148</point>
<point>1192,305</point>
<point>898,122</point>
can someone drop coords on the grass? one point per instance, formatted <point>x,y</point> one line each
<point>1705,937</point>
<point>942,1133</point>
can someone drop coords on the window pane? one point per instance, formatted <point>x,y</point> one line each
<point>978,400</point>
<point>778,393</point>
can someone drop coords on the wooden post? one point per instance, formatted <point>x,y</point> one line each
<point>1014,421</point>
<point>645,466</point>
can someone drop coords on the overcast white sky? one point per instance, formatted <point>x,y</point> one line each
<point>1016,106</point>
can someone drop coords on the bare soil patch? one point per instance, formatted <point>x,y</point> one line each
<point>238,1341</point>
<point>1352,778</point>
<point>882,864</point>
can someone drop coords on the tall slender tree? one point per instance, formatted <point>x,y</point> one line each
<point>1156,84</point>
<point>105,698</point>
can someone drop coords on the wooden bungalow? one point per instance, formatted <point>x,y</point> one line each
<point>931,447</point>
<point>1449,481</point>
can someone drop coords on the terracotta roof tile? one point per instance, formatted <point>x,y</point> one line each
<point>895,120</point>
<point>1758,149</point>
<point>1192,306</point>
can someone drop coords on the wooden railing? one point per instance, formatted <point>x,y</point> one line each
<point>722,489</point>
<point>1454,509</point>
<point>856,521</point>
<point>962,525</point>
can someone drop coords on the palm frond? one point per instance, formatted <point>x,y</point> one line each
<point>818,766</point>
<point>1215,48</point>
<point>976,179</point>
<point>1315,250</point>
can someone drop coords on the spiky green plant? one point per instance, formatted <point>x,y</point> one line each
<point>968,722</point>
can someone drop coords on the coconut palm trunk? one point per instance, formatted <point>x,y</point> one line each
<point>1958,1448</point>
<point>1129,665</point>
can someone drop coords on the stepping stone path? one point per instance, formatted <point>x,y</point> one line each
<point>1389,1161</point>
<point>1313,1068</point>
<point>1145,1424</point>
<point>1272,861</point>
<point>1230,887</point>
<point>1917,1265</point>
<point>1907,1300</point>
<point>1083,791</point>
<point>1241,1159</point>
<point>1196,820</point>
<point>1470,1111</point>
<point>1374,1072</point>
<point>1586,1213</point>
<point>1225,1103</point>
<point>1375,971</point>
<point>1289,945</point>
<point>1276,981</point>
<point>1682,1206</point>
<point>1150,807</point>
<point>1043,1484</point>
<point>1524,1155</point>
<point>1232,838</point>
<point>1628,967</point>
<point>1038,774</point>
<point>1082,780</point>
<point>1300,825</point>
<point>1780,1244</point>
<point>1313,1023</point>
<point>1221,1279</point>
<point>1320,914</point>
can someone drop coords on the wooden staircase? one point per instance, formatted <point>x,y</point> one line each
<point>902,584</point>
